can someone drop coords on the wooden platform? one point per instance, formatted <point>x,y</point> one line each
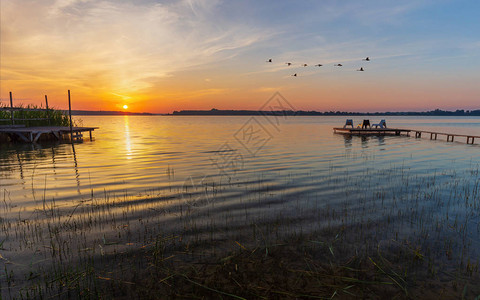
<point>450,136</point>
<point>32,134</point>
<point>372,131</point>
<point>470,139</point>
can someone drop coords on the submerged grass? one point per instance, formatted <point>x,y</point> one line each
<point>410,237</point>
<point>288,271</point>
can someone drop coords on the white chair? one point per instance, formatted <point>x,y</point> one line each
<point>382,124</point>
<point>348,122</point>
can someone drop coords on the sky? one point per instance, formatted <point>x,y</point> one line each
<point>160,56</point>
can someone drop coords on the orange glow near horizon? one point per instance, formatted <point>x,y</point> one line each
<point>364,93</point>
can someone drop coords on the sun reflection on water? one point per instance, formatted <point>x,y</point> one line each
<point>128,141</point>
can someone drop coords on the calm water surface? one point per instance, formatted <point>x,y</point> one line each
<point>134,154</point>
<point>212,178</point>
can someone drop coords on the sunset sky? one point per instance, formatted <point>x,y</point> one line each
<point>159,56</point>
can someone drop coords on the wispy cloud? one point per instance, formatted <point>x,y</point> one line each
<point>115,43</point>
<point>161,51</point>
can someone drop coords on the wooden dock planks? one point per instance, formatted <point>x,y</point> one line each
<point>32,134</point>
<point>371,131</point>
<point>450,136</point>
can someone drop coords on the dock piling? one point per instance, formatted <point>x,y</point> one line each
<point>11,109</point>
<point>70,115</point>
<point>48,112</point>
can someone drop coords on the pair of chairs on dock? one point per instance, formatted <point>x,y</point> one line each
<point>366,124</point>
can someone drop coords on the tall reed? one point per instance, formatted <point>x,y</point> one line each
<point>52,117</point>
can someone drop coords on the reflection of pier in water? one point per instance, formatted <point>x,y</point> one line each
<point>22,155</point>
<point>77,174</point>
<point>348,140</point>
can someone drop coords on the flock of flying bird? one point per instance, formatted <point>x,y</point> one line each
<point>319,65</point>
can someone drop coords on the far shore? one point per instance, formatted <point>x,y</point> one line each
<point>217,112</point>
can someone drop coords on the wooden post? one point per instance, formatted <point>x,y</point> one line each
<point>11,109</point>
<point>70,114</point>
<point>48,112</point>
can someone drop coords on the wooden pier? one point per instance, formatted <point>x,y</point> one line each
<point>32,134</point>
<point>372,131</point>
<point>470,139</point>
<point>22,132</point>
<point>450,136</point>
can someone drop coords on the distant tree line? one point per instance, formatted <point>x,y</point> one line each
<point>217,112</point>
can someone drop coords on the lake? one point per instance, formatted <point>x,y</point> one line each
<point>228,183</point>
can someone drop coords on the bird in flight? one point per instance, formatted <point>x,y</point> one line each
<point>269,60</point>
<point>361,69</point>
<point>288,64</point>
<point>294,75</point>
<point>338,65</point>
<point>319,65</point>
<point>366,59</point>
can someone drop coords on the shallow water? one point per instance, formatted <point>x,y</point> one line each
<point>212,179</point>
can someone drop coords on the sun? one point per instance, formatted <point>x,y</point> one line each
<point>125,106</point>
